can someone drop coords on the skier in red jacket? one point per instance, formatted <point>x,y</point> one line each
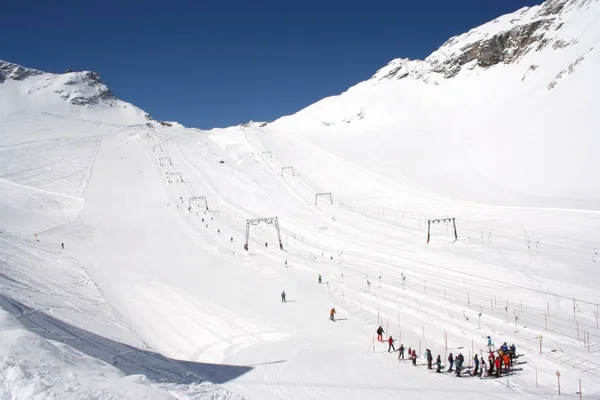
<point>391,344</point>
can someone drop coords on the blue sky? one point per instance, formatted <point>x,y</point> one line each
<point>220,63</point>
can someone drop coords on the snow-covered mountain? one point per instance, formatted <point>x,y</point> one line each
<point>123,268</point>
<point>71,94</point>
<point>494,115</point>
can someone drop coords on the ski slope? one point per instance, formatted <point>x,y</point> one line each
<point>185,291</point>
<point>154,296</point>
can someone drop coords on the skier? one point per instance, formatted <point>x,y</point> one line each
<point>429,358</point>
<point>438,363</point>
<point>401,351</point>
<point>231,239</point>
<point>512,352</point>
<point>506,360</point>
<point>320,279</point>
<point>483,369</point>
<point>332,314</point>
<point>391,344</point>
<point>286,263</point>
<point>476,364</point>
<point>63,245</point>
<point>490,344</point>
<point>491,364</point>
<point>497,364</point>
<point>451,361</point>
<point>380,333</point>
<point>283,300</point>
<point>413,356</point>
<point>458,364</point>
<point>504,348</point>
<point>266,245</point>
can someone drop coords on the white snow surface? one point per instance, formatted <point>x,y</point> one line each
<point>505,135</point>
<point>153,296</point>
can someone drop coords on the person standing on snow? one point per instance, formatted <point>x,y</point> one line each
<point>498,365</point>
<point>512,353</point>
<point>506,360</point>
<point>451,362</point>
<point>429,358</point>
<point>283,300</point>
<point>320,279</point>
<point>391,344</point>
<point>380,333</point>
<point>490,345</point>
<point>63,245</point>
<point>491,364</point>
<point>332,314</point>
<point>413,356</point>
<point>438,363</point>
<point>458,363</point>
<point>401,352</point>
<point>476,364</point>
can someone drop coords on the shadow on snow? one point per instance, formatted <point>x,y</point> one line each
<point>130,360</point>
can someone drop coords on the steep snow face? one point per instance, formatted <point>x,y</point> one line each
<point>503,114</point>
<point>73,94</point>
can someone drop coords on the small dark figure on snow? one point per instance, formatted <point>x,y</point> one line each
<point>438,364</point>
<point>231,240</point>
<point>266,244</point>
<point>413,356</point>
<point>380,333</point>
<point>476,365</point>
<point>283,300</point>
<point>320,279</point>
<point>63,245</point>
<point>491,363</point>
<point>332,314</point>
<point>512,353</point>
<point>458,364</point>
<point>286,263</point>
<point>429,358</point>
<point>451,362</point>
<point>401,352</point>
<point>391,344</point>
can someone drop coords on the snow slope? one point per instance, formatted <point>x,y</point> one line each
<point>495,115</point>
<point>151,283</point>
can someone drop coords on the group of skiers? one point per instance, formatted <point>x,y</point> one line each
<point>504,358</point>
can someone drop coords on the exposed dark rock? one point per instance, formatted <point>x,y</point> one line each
<point>504,47</point>
<point>15,72</point>
<point>552,7</point>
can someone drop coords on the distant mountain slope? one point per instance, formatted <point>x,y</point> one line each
<point>505,113</point>
<point>73,94</point>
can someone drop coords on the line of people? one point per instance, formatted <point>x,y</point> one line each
<point>503,360</point>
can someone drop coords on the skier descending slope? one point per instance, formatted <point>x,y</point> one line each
<point>283,300</point>
<point>332,314</point>
<point>391,344</point>
<point>380,333</point>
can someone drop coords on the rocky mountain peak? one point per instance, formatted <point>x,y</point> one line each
<point>504,40</point>
<point>78,88</point>
<point>15,72</point>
